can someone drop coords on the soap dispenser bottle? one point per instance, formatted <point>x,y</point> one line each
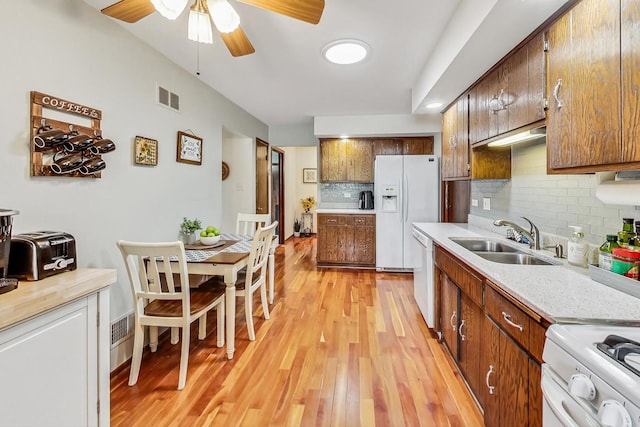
<point>578,250</point>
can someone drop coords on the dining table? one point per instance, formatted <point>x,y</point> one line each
<point>227,258</point>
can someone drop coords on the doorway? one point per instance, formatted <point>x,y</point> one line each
<point>262,176</point>
<point>277,191</point>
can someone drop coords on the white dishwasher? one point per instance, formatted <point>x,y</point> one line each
<point>423,281</point>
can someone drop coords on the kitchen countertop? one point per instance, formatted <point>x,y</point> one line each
<point>346,211</point>
<point>559,293</point>
<point>36,297</point>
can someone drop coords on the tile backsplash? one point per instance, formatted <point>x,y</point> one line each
<point>552,202</point>
<point>340,195</point>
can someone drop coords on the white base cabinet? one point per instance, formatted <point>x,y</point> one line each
<point>54,367</point>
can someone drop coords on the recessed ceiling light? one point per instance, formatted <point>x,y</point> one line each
<point>434,105</point>
<point>346,51</point>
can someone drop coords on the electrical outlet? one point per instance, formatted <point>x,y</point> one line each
<point>347,195</point>
<point>486,203</point>
<point>474,203</point>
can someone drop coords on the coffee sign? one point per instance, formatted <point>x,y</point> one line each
<point>56,103</point>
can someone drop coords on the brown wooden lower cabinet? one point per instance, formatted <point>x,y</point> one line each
<point>495,341</point>
<point>346,239</point>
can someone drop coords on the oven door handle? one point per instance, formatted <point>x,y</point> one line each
<point>555,398</point>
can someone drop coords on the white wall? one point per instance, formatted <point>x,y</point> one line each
<point>67,49</point>
<point>238,190</point>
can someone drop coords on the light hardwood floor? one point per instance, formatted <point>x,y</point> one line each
<point>342,348</point>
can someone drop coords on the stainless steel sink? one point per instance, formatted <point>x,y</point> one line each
<point>513,258</point>
<point>496,251</point>
<point>484,245</point>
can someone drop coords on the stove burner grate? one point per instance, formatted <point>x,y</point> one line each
<point>622,350</point>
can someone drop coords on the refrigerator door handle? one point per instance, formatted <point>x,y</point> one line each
<point>405,193</point>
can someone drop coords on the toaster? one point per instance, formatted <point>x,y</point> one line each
<point>41,254</point>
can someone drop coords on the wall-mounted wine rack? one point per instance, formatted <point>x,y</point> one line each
<point>60,148</point>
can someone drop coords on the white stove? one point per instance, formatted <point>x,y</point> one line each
<point>591,376</point>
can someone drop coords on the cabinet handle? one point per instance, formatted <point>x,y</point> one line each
<point>507,318</point>
<point>556,92</point>
<point>462,337</point>
<point>453,316</point>
<point>486,379</point>
<point>455,142</point>
<point>332,221</point>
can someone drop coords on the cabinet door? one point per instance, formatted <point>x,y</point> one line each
<point>417,146</point>
<point>359,160</point>
<point>481,122</point>
<point>630,28</point>
<point>584,80</point>
<point>461,146</point>
<point>469,331</point>
<point>536,79</point>
<point>333,167</point>
<point>388,147</point>
<point>449,130</point>
<point>364,240</point>
<point>506,391</point>
<point>516,98</point>
<point>49,368</point>
<point>450,314</point>
<point>329,238</point>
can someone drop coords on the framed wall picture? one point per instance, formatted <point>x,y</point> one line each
<point>189,149</point>
<point>309,175</point>
<point>145,151</point>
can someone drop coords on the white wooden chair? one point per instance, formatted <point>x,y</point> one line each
<point>165,299</point>
<point>247,223</point>
<point>254,276</point>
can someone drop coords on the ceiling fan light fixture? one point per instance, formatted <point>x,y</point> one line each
<point>170,9</point>
<point>200,23</point>
<point>224,16</point>
<point>345,52</point>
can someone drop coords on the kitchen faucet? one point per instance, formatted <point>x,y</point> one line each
<point>533,235</point>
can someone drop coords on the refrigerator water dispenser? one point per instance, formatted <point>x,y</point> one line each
<point>389,195</point>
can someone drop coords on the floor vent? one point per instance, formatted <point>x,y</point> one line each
<point>121,329</point>
<point>168,98</point>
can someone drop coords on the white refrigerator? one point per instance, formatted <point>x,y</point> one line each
<point>407,190</point>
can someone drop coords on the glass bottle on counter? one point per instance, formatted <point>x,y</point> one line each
<point>605,258</point>
<point>626,233</point>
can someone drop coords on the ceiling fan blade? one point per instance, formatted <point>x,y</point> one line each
<point>237,42</point>
<point>305,10</point>
<point>129,10</point>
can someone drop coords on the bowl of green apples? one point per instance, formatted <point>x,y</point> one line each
<point>209,236</point>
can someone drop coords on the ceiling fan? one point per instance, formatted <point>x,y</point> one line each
<point>221,12</point>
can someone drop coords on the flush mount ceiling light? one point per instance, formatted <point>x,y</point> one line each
<point>346,51</point>
<point>433,105</point>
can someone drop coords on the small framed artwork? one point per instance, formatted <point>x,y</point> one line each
<point>189,149</point>
<point>309,175</point>
<point>145,151</point>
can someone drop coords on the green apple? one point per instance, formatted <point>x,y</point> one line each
<point>211,235</point>
<point>216,231</point>
<point>203,233</point>
<point>210,229</point>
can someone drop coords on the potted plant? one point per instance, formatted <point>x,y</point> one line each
<point>188,229</point>
<point>296,228</point>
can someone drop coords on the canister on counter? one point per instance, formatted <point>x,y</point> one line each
<point>626,262</point>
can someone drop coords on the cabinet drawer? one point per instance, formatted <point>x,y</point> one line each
<point>467,280</point>
<point>511,319</point>
<point>364,220</point>
<point>333,219</point>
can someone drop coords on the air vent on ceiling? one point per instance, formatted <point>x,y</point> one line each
<point>168,98</point>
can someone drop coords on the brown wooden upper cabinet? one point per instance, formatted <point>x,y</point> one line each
<point>594,57</point>
<point>455,140</point>
<point>352,160</point>
<point>511,96</point>
<point>349,160</point>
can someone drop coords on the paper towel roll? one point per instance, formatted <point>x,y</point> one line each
<point>619,192</point>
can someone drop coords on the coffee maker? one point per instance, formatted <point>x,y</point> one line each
<point>365,200</point>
